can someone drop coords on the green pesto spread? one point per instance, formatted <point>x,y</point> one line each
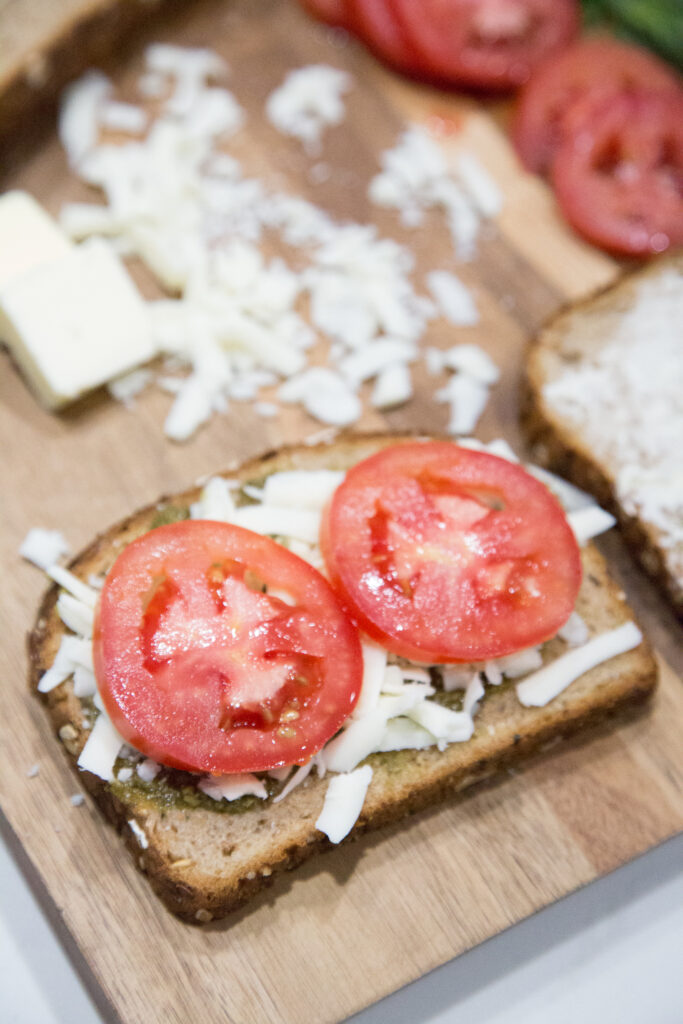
<point>170,514</point>
<point>173,790</point>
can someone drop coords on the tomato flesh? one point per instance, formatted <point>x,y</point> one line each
<point>486,44</point>
<point>618,176</point>
<point>446,554</point>
<point>201,667</point>
<point>547,105</point>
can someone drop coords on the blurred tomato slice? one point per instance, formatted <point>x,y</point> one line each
<point>376,23</point>
<point>486,44</point>
<point>547,105</point>
<point>331,11</point>
<point>619,175</point>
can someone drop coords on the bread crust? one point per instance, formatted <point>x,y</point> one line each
<point>559,446</point>
<point>82,35</point>
<point>204,864</point>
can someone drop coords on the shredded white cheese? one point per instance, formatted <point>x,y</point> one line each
<point>308,101</point>
<point>123,117</point>
<point>101,748</point>
<point>393,386</point>
<point>66,579</point>
<point>416,177</point>
<point>445,725</point>
<point>298,776</point>
<point>148,769</point>
<point>467,398</point>
<point>79,114</point>
<point>589,522</point>
<point>43,547</point>
<point>343,804</point>
<point>232,787</point>
<point>73,652</point>
<point>541,687</point>
<point>473,361</point>
<point>575,631</point>
<point>454,300</point>
<point>138,832</point>
<point>301,488</point>
<point>75,614</point>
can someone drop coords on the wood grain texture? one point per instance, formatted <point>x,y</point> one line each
<point>364,920</point>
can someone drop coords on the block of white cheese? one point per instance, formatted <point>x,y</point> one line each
<point>28,236</point>
<point>74,322</point>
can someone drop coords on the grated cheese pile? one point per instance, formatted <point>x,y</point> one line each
<point>176,198</point>
<point>625,398</point>
<point>395,709</point>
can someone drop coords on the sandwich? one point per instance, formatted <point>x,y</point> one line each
<point>321,642</point>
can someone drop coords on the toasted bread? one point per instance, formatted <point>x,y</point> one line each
<point>204,861</point>
<point>603,406</point>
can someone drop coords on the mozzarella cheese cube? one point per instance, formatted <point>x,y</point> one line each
<point>28,236</point>
<point>74,322</point>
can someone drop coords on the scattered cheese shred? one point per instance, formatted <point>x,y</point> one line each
<point>298,776</point>
<point>138,832</point>
<point>546,684</point>
<point>416,177</point>
<point>43,547</point>
<point>308,101</point>
<point>453,298</point>
<point>589,522</point>
<point>343,804</point>
<point>232,787</point>
<point>75,614</point>
<point>66,579</point>
<point>101,748</point>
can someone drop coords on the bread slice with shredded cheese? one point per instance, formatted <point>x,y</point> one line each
<point>604,407</point>
<point>204,859</point>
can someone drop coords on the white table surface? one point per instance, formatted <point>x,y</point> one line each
<point>608,954</point>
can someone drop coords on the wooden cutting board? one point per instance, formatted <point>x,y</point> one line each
<point>366,919</point>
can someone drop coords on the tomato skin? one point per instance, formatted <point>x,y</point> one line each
<point>431,568</point>
<point>332,12</point>
<point>195,673</point>
<point>375,22</point>
<point>492,45</point>
<point>618,175</point>
<point>546,109</point>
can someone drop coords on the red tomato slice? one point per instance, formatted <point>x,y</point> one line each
<point>202,670</point>
<point>486,44</point>
<point>447,554</point>
<point>619,177</point>
<point>377,25</point>
<point>333,12</point>
<point>540,121</point>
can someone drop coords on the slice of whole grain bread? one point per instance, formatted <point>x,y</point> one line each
<point>603,406</point>
<point>204,863</point>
